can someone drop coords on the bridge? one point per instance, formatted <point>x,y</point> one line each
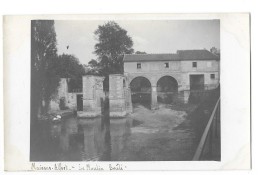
<point>147,78</point>
<point>177,74</point>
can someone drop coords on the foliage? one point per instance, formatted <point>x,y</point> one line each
<point>47,67</point>
<point>75,84</point>
<point>113,43</point>
<point>94,67</point>
<point>139,52</point>
<point>215,51</point>
<point>69,67</point>
<point>44,80</point>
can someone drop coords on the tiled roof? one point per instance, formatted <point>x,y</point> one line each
<point>181,55</point>
<point>150,57</point>
<point>197,55</point>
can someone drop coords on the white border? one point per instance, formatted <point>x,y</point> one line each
<point>235,90</point>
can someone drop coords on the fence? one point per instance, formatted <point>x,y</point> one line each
<point>209,147</point>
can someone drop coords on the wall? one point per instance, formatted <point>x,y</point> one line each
<point>62,92</point>
<point>180,70</point>
<point>158,66</point>
<point>205,66</point>
<point>72,100</point>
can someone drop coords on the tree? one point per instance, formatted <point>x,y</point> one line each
<point>69,67</point>
<point>139,52</point>
<point>44,79</point>
<point>113,43</point>
<point>215,51</point>
<point>93,63</point>
<point>93,67</point>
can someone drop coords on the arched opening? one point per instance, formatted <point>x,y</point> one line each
<point>167,90</point>
<point>141,91</point>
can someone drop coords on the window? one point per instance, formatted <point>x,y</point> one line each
<point>138,65</point>
<point>194,64</point>
<point>166,65</point>
<point>212,76</point>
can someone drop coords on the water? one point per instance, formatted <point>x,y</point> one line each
<point>104,139</point>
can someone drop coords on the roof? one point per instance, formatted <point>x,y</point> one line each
<point>181,55</point>
<point>150,57</point>
<point>197,55</point>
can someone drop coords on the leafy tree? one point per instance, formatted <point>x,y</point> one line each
<point>70,67</point>
<point>113,42</point>
<point>94,67</point>
<point>93,63</point>
<point>215,51</point>
<point>139,52</point>
<point>44,80</point>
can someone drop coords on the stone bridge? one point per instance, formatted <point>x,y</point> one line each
<point>151,75</point>
<point>154,79</point>
<point>185,71</point>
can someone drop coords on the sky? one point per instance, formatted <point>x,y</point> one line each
<point>150,36</point>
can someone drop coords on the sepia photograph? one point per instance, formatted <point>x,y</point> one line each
<point>125,90</point>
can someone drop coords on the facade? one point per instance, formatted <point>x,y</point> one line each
<point>70,99</point>
<point>88,102</point>
<point>159,75</point>
<point>189,69</point>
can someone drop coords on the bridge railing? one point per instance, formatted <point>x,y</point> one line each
<point>209,147</point>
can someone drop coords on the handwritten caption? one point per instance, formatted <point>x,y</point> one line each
<point>77,167</point>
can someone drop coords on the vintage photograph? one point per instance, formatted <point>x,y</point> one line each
<point>125,90</point>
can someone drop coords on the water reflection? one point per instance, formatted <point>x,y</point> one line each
<point>119,130</point>
<point>135,138</point>
<point>92,139</point>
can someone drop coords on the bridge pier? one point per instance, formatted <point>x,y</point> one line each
<point>184,96</point>
<point>92,94</point>
<point>154,104</point>
<point>117,101</point>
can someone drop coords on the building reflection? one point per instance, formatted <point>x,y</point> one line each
<point>93,139</point>
<point>118,134</point>
<point>55,130</point>
<point>90,151</point>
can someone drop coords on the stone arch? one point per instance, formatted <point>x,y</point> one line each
<point>167,89</point>
<point>141,90</point>
<point>170,80</point>
<point>132,77</point>
<point>174,76</point>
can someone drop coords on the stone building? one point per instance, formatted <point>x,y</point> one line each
<point>180,73</point>
<point>71,99</point>
<point>148,78</point>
